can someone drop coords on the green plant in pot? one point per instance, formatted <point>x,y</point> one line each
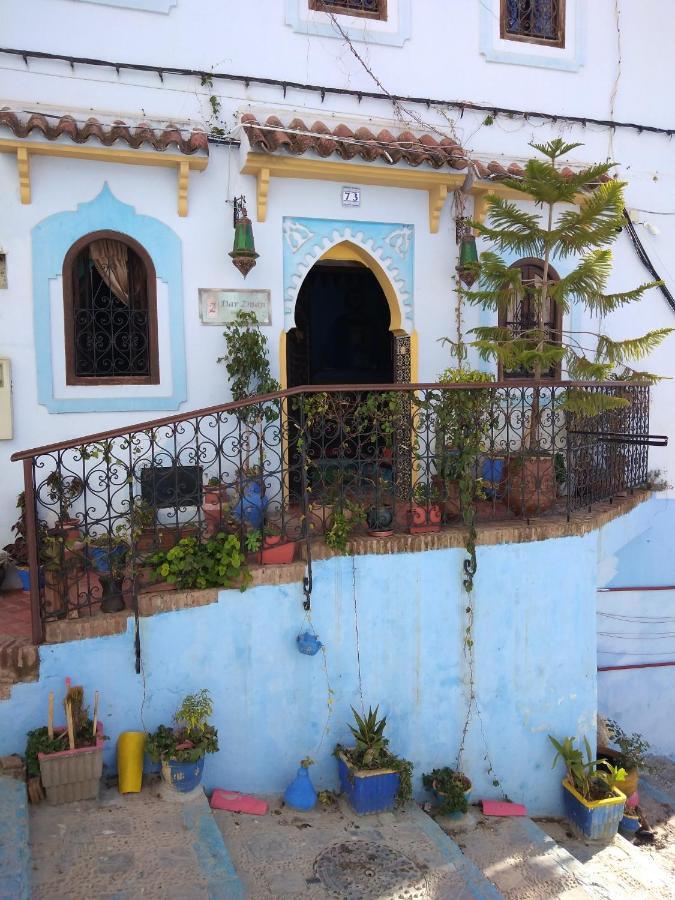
<point>371,776</point>
<point>18,549</point>
<point>451,789</point>
<point>541,346</point>
<point>216,562</point>
<point>181,748</point>
<point>629,753</point>
<point>248,368</point>
<point>594,801</point>
<point>63,490</point>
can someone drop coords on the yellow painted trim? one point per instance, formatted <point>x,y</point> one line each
<point>414,357</point>
<point>594,804</point>
<point>266,166</point>
<point>283,374</point>
<point>343,252</point>
<point>25,149</point>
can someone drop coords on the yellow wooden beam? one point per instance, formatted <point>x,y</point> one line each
<point>23,166</point>
<point>262,190</point>
<point>437,196</point>
<point>25,149</point>
<point>183,185</point>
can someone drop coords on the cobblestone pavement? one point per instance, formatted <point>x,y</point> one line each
<point>286,854</point>
<point>126,847</point>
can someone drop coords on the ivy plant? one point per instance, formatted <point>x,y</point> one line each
<point>217,562</point>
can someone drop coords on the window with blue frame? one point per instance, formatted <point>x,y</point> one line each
<point>533,21</point>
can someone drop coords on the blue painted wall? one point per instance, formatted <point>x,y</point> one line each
<point>535,667</point>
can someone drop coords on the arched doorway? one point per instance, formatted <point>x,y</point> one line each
<point>342,328</point>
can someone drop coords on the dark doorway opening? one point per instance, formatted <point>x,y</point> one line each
<point>341,333</point>
<point>341,337</point>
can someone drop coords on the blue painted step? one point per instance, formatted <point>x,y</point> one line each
<point>14,852</point>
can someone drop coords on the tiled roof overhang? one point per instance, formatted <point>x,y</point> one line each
<point>135,136</point>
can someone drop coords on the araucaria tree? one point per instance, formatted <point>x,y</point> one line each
<point>584,229</point>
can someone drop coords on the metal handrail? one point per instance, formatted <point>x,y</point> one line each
<point>233,405</point>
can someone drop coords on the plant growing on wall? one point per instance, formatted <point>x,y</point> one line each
<point>585,233</point>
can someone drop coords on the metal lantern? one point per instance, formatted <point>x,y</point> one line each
<point>243,252</point>
<point>467,267</point>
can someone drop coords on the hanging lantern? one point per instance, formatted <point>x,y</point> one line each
<point>243,252</point>
<point>467,268</point>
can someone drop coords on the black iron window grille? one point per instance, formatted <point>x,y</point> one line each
<point>536,21</point>
<point>370,9</point>
<point>521,317</point>
<point>110,312</point>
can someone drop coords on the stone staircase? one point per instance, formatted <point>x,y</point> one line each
<point>19,661</point>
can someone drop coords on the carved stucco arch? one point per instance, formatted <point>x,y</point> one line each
<point>386,249</point>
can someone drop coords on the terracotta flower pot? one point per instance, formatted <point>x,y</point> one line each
<point>425,519</point>
<point>276,553</point>
<point>531,486</point>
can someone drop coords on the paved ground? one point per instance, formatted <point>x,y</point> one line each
<point>125,847</point>
<point>288,854</point>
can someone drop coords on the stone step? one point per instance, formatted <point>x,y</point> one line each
<point>14,850</point>
<point>19,661</point>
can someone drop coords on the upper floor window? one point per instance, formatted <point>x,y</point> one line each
<point>110,311</point>
<point>370,9</point>
<point>534,21</point>
<point>521,316</point>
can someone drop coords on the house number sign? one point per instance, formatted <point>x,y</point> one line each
<point>219,307</point>
<point>351,196</point>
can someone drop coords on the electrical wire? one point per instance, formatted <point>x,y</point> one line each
<point>643,256</point>
<point>323,90</point>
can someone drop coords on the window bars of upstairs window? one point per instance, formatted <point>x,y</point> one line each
<point>535,21</point>
<point>370,9</point>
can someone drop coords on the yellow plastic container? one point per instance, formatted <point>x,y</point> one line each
<point>130,749</point>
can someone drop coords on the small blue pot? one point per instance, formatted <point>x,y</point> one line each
<point>308,643</point>
<point>252,504</point>
<point>183,776</point>
<point>492,473</point>
<point>300,793</point>
<point>368,792</point>
<point>24,575</point>
<point>629,824</point>
<point>100,557</point>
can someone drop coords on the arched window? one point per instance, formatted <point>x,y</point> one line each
<point>521,315</point>
<point>110,311</point>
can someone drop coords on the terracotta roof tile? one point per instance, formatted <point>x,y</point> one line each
<point>272,136</point>
<point>142,134</point>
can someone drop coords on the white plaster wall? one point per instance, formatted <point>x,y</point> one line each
<point>442,59</point>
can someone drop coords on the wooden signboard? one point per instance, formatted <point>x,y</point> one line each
<point>218,307</point>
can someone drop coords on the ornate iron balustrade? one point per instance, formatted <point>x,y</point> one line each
<point>315,463</point>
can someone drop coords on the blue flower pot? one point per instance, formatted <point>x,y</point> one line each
<point>308,643</point>
<point>183,776</point>
<point>597,820</point>
<point>300,793</point>
<point>368,791</point>
<point>24,575</point>
<point>100,557</point>
<point>493,474</point>
<point>629,824</point>
<point>252,504</point>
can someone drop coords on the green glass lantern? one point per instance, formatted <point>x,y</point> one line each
<point>243,251</point>
<point>467,268</point>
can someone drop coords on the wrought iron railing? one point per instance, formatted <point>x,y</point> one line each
<point>316,463</point>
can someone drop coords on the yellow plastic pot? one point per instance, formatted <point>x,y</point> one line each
<point>130,750</point>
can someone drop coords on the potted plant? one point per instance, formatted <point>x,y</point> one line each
<point>451,789</point>
<point>275,550</point>
<point>630,821</point>
<point>108,553</point>
<point>371,776</point>
<point>425,510</point>
<point>63,490</point>
<point>248,368</point>
<point>594,805</point>
<point>69,760</point>
<point>630,754</point>
<point>215,562</point>
<point>541,344</point>
<point>18,549</point>
<point>181,748</point>
<point>215,492</point>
